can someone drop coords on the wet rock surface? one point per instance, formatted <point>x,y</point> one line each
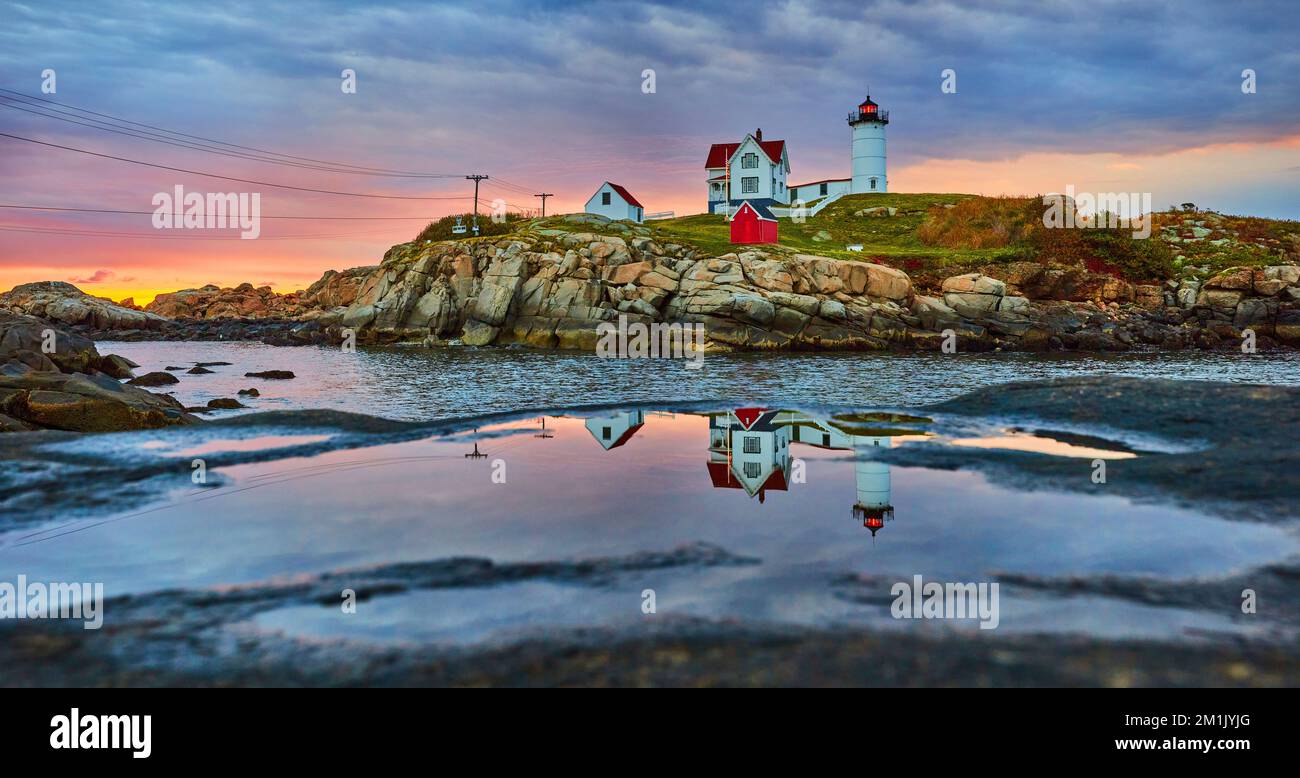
<point>200,636</point>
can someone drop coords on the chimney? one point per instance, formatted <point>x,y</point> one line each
<point>758,134</point>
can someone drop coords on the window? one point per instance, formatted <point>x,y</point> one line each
<point>752,444</point>
<point>749,185</point>
<point>604,196</point>
<point>873,183</point>
<point>822,191</point>
<point>749,160</point>
<point>751,470</point>
<point>604,433</point>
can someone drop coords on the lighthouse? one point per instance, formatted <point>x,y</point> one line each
<point>868,123</point>
<point>875,504</point>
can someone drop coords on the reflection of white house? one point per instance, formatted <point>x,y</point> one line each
<point>749,450</point>
<point>615,202</point>
<point>614,431</point>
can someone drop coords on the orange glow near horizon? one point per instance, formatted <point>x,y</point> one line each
<point>291,255</point>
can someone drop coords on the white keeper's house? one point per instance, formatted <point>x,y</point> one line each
<point>753,169</point>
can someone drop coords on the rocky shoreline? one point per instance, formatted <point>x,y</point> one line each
<point>551,288</point>
<point>551,283</point>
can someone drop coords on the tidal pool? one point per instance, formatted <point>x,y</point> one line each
<point>827,527</point>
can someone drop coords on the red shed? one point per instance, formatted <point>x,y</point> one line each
<point>753,224</point>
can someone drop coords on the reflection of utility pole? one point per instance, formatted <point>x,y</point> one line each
<point>544,195</point>
<point>476,178</point>
<point>475,454</point>
<point>545,433</point>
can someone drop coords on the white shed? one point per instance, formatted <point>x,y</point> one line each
<point>615,202</point>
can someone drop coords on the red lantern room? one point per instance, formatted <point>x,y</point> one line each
<point>869,111</point>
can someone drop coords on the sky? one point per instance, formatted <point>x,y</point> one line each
<point>551,97</point>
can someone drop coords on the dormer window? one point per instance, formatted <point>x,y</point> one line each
<point>749,160</point>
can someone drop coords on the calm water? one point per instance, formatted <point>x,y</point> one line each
<point>830,527</point>
<point>421,384</point>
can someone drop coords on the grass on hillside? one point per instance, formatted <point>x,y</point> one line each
<point>932,236</point>
<point>892,239</point>
<point>952,233</point>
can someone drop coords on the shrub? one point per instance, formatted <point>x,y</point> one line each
<point>979,223</point>
<point>441,229</point>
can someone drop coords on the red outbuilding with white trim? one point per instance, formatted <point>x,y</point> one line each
<point>753,224</point>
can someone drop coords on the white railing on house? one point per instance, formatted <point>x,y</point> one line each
<point>660,215</point>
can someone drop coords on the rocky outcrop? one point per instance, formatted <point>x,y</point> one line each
<point>241,302</point>
<point>335,289</point>
<point>551,288</point>
<point>54,379</point>
<point>63,303</point>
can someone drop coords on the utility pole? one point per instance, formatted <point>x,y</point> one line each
<point>476,179</point>
<point>544,195</point>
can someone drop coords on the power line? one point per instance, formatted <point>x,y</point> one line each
<point>476,178</point>
<point>544,195</point>
<point>86,233</point>
<point>59,105</point>
<point>150,213</point>
<point>205,149</point>
<point>204,143</point>
<point>225,178</point>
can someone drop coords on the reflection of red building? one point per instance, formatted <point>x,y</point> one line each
<point>722,477</point>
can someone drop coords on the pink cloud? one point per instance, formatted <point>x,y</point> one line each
<point>97,277</point>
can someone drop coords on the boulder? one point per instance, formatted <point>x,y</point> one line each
<point>27,334</point>
<point>157,378</point>
<point>1237,278</point>
<point>82,403</point>
<point>274,375</point>
<point>974,283</point>
<point>63,303</point>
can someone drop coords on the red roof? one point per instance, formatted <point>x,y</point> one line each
<point>626,195</point>
<point>719,153</point>
<point>721,476</point>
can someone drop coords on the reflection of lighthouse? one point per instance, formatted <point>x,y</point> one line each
<point>875,503</point>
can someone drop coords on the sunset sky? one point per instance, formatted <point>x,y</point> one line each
<point>1104,96</point>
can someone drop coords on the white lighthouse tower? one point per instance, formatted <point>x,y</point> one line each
<point>868,123</point>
